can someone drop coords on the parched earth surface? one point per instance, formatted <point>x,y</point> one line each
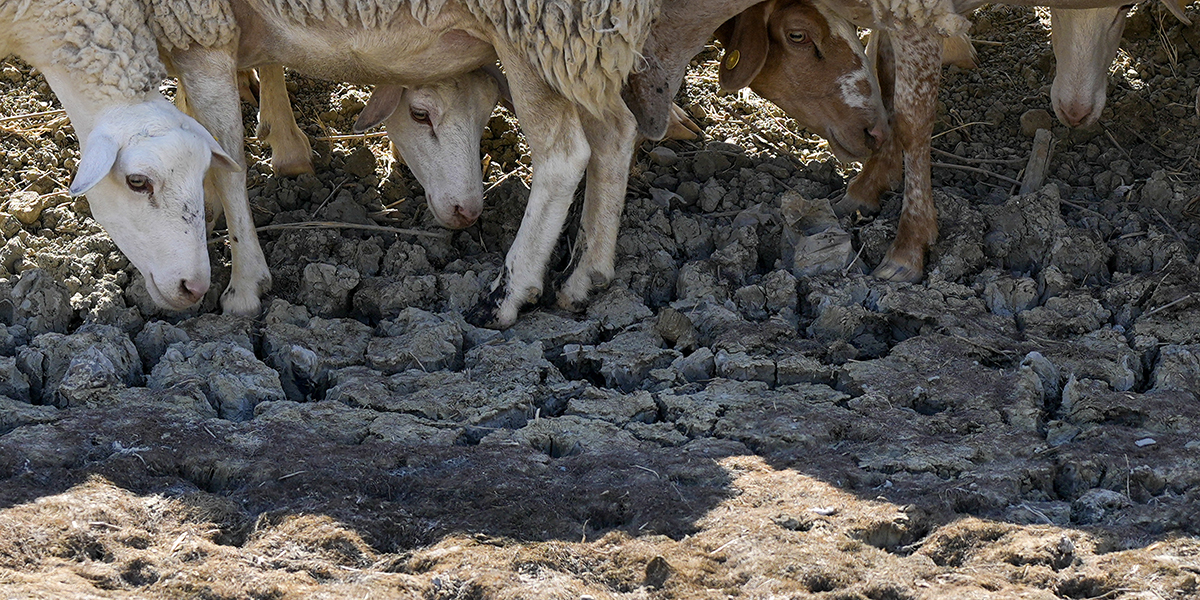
<point>724,420</point>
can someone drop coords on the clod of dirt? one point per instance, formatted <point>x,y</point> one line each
<point>41,304</point>
<point>1035,119</point>
<point>63,368</point>
<point>230,376</point>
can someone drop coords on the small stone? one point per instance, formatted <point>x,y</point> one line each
<point>697,366</point>
<point>663,156</point>
<point>361,162</point>
<point>1034,120</point>
<point>26,206</point>
<point>1142,443</point>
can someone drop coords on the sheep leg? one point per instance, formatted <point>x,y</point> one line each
<point>560,153</point>
<point>884,170</point>
<point>612,142</point>
<point>291,153</point>
<point>210,75</point>
<point>918,69</point>
<point>880,173</point>
<point>212,206</point>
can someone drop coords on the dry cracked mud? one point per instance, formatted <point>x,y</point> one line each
<point>721,421</point>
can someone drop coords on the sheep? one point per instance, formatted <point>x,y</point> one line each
<point>915,29</point>
<point>1085,43</point>
<point>142,161</point>
<point>567,61</point>
<point>915,41</point>
<point>787,52</point>
<point>435,128</point>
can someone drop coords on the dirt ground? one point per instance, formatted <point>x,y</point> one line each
<point>720,423</point>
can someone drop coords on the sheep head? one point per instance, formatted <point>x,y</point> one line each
<point>810,64</point>
<point>142,167</point>
<point>436,129</point>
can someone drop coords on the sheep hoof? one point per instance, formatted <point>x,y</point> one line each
<point>292,167</point>
<point>238,302</point>
<point>848,205</point>
<point>245,300</point>
<point>484,313</point>
<point>573,295</point>
<point>891,270</point>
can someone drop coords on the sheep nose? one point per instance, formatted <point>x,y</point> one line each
<point>193,289</point>
<point>1076,113</point>
<point>466,216</point>
<point>875,137</point>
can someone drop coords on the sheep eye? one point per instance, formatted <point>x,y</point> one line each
<point>419,115</point>
<point>798,37</point>
<point>139,183</point>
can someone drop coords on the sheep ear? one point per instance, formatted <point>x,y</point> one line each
<point>747,47</point>
<point>97,160</point>
<point>1176,8</point>
<point>220,157</point>
<point>502,81</point>
<point>384,101</point>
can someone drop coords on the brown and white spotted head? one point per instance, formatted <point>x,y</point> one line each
<point>811,63</point>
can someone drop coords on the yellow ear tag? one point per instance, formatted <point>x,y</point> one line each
<point>731,61</point>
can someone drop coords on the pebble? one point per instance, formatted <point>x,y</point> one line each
<point>1033,120</point>
<point>26,206</point>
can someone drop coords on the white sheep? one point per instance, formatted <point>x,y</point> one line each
<point>566,60</point>
<point>434,128</point>
<point>142,161</point>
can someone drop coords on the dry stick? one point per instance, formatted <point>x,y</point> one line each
<point>963,126</point>
<point>1082,208</point>
<point>31,115</point>
<point>519,168</point>
<point>350,136</point>
<point>1115,142</point>
<point>1169,304</point>
<point>981,161</point>
<point>329,197</point>
<point>337,225</point>
<point>1168,224</point>
<point>976,170</point>
<point>1039,162</point>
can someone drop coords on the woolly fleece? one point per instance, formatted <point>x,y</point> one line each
<point>937,14</point>
<point>103,40</point>
<point>584,49</point>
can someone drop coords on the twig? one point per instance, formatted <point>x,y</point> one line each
<point>1082,208</point>
<point>977,170</point>
<point>1169,304</point>
<point>31,115</point>
<point>1168,224</point>
<point>1115,142</point>
<point>1039,162</point>
<point>336,225</point>
<point>982,161</point>
<point>520,167</point>
<point>350,136</point>
<point>963,126</point>
<point>329,197</point>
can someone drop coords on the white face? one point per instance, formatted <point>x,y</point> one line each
<point>436,129</point>
<point>1085,42</point>
<point>142,168</point>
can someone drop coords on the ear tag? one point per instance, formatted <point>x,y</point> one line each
<point>731,61</point>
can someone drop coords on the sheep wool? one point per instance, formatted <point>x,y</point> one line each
<point>585,49</point>
<point>937,14</point>
<point>104,40</point>
<point>179,23</point>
